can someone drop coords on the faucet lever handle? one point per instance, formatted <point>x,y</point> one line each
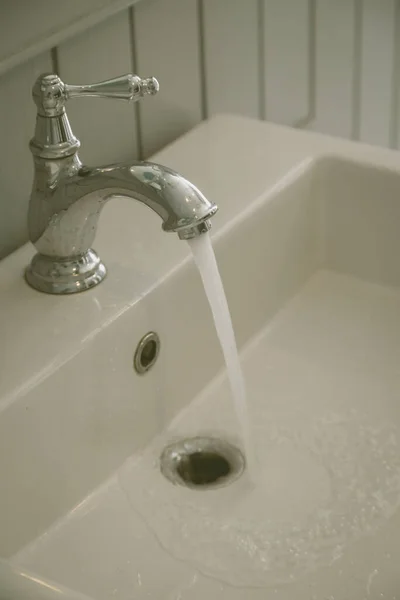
<point>125,87</point>
<point>50,93</point>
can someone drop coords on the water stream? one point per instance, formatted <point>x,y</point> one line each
<point>204,258</point>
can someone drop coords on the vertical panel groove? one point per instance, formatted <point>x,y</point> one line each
<point>394,109</point>
<point>230,47</point>
<point>287,61</point>
<point>167,46</point>
<point>377,58</point>
<point>54,60</point>
<point>135,69</point>
<point>312,58</point>
<point>312,43</point>
<point>262,108</point>
<point>106,129</point>
<point>202,60</point>
<point>334,59</point>
<point>357,74</point>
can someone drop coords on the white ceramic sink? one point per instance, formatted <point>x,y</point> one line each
<point>308,242</point>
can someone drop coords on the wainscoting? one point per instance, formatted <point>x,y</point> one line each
<point>327,65</point>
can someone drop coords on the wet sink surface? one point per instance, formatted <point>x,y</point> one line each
<point>310,268</point>
<point>320,518</point>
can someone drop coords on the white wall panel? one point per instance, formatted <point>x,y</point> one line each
<point>167,46</point>
<point>231,56</point>
<point>30,28</point>
<point>377,56</point>
<point>106,128</point>
<point>335,28</point>
<point>255,58</point>
<point>17,123</point>
<point>286,46</point>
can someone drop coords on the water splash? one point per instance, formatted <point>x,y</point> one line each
<point>371,577</point>
<point>204,258</point>
<point>324,483</point>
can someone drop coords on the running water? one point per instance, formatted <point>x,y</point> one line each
<point>204,258</point>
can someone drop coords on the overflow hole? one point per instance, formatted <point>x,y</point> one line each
<point>146,352</point>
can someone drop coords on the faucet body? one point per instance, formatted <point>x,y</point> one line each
<point>67,197</point>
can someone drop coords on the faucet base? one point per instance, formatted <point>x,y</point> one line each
<point>54,275</point>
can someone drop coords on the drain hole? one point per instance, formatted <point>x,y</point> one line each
<point>202,468</point>
<point>202,462</point>
<point>146,352</point>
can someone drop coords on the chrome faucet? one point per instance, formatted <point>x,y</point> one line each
<point>67,197</point>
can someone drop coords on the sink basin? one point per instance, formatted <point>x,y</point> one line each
<point>307,239</point>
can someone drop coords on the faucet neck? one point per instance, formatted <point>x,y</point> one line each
<point>53,137</point>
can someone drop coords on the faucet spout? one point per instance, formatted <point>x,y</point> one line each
<point>181,205</point>
<point>64,229</point>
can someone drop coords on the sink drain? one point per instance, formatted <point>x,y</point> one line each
<point>202,463</point>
